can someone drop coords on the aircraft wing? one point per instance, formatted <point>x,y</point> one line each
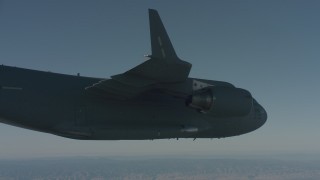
<point>164,66</point>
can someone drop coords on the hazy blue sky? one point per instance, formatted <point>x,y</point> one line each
<point>271,48</point>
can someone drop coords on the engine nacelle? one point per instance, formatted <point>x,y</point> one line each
<point>221,101</point>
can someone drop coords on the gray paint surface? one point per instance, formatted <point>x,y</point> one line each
<point>269,48</point>
<point>101,109</point>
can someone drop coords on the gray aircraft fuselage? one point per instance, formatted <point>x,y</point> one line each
<point>58,104</point>
<point>154,100</point>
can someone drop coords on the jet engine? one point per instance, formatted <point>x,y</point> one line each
<point>221,101</point>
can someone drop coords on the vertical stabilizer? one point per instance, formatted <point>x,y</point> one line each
<point>163,66</point>
<point>160,42</point>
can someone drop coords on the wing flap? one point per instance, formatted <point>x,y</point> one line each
<point>114,89</point>
<point>161,71</point>
<point>133,80</point>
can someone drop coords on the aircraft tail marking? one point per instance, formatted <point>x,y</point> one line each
<point>161,45</point>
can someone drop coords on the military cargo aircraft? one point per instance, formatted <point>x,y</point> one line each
<point>154,100</point>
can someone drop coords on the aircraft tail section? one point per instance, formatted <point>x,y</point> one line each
<point>164,66</point>
<point>161,45</point>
